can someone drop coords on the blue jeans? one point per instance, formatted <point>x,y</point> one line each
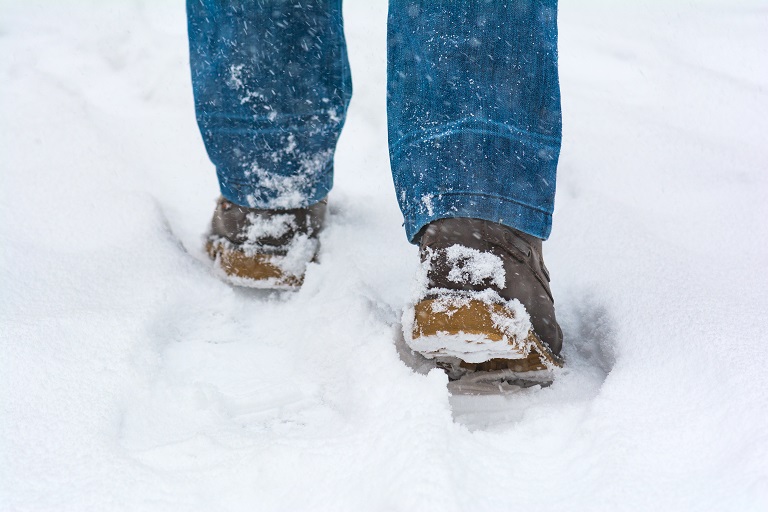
<point>473,103</point>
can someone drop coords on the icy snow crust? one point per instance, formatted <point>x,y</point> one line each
<point>132,378</point>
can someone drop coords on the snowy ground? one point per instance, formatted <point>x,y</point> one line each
<point>132,379</point>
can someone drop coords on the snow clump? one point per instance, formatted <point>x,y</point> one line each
<point>470,266</point>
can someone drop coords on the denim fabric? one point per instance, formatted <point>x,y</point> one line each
<point>473,104</point>
<point>272,85</point>
<point>474,111</point>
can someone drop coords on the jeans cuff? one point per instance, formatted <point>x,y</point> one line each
<point>252,195</point>
<point>502,210</point>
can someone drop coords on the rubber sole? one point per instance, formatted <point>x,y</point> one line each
<point>254,270</point>
<point>495,382</point>
<point>474,336</point>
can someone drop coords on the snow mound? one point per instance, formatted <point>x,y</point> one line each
<point>132,378</point>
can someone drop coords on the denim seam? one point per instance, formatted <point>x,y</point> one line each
<point>343,59</point>
<point>502,130</point>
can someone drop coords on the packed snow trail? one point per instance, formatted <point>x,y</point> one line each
<point>131,378</point>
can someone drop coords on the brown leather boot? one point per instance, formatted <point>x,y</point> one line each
<point>484,302</point>
<point>264,248</point>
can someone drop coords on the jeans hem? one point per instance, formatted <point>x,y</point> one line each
<point>246,194</point>
<point>502,210</point>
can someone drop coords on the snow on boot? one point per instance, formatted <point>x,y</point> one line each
<point>264,248</point>
<point>483,308</point>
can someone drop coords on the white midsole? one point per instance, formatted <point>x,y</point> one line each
<point>471,348</point>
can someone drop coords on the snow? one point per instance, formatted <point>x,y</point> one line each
<point>132,378</point>
<point>275,226</point>
<point>470,266</point>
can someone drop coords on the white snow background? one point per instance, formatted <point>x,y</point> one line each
<point>132,379</point>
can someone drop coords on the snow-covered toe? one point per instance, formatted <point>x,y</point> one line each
<point>264,248</point>
<point>254,269</point>
<point>482,303</point>
<point>471,332</point>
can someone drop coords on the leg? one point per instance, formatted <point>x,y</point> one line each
<point>272,85</point>
<point>474,111</point>
<point>474,135</point>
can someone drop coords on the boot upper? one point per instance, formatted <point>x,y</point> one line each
<point>475,255</point>
<point>265,229</point>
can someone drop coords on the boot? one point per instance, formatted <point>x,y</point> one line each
<point>483,303</point>
<point>264,248</point>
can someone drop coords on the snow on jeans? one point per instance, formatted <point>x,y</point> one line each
<point>473,103</point>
